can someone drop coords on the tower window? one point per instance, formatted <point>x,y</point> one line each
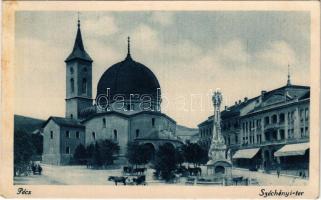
<point>85,70</point>
<point>153,122</point>
<point>51,134</point>
<point>71,70</point>
<point>84,86</point>
<point>72,85</point>
<point>77,135</point>
<point>307,114</point>
<point>137,133</point>
<point>67,134</point>
<point>93,135</point>
<point>67,150</point>
<point>104,123</point>
<point>115,134</point>
<point>71,116</point>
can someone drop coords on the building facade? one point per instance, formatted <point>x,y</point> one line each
<point>126,108</point>
<point>269,131</point>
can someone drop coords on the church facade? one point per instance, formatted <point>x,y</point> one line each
<point>127,108</point>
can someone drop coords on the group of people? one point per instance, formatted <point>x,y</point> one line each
<point>36,168</point>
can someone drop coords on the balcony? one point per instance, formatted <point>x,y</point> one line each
<point>275,125</point>
<point>277,142</point>
<point>273,142</point>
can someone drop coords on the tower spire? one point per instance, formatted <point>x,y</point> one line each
<point>78,20</point>
<point>128,48</point>
<point>78,50</point>
<point>289,78</point>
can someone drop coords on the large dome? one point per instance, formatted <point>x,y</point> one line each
<point>128,77</point>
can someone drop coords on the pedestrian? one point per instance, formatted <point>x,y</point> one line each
<point>278,171</point>
<point>39,169</point>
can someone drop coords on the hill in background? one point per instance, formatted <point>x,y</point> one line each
<point>27,124</point>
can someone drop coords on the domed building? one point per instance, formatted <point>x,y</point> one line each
<point>127,108</point>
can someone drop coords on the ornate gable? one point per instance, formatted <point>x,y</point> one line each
<point>277,98</point>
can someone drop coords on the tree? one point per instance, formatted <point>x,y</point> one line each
<point>138,154</point>
<point>165,162</point>
<point>23,151</point>
<point>194,153</point>
<point>90,151</point>
<point>37,141</point>
<point>108,149</point>
<point>96,159</point>
<point>179,156</point>
<point>204,156</point>
<point>132,154</point>
<point>80,154</point>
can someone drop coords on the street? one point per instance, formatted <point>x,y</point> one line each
<point>80,175</point>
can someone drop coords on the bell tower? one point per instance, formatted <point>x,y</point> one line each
<point>78,79</point>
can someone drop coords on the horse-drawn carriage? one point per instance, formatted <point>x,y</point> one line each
<point>125,180</point>
<point>131,176</point>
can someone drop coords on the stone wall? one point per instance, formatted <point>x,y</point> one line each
<point>71,142</point>
<point>51,146</point>
<point>114,124</point>
<point>144,124</point>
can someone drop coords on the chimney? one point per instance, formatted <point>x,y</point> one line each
<point>245,99</point>
<point>235,102</point>
<point>240,101</point>
<point>225,107</point>
<point>263,92</point>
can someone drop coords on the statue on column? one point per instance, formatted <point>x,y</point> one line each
<point>217,152</point>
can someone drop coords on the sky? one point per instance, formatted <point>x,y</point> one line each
<point>192,53</point>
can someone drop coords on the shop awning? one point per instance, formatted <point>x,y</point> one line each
<point>292,150</point>
<point>246,153</point>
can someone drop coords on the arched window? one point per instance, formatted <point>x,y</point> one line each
<point>71,116</point>
<point>115,134</point>
<point>128,107</point>
<point>267,120</point>
<point>71,70</point>
<point>72,85</point>
<point>137,133</point>
<point>104,123</point>
<point>67,150</point>
<point>84,85</point>
<point>93,135</point>
<point>282,117</point>
<point>77,135</point>
<point>85,69</point>
<point>274,119</point>
<point>153,122</point>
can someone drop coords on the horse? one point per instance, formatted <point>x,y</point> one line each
<point>140,180</point>
<point>117,179</point>
<point>127,170</point>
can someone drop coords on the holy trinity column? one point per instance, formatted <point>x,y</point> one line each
<point>217,151</point>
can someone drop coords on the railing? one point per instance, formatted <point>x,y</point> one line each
<point>275,125</point>
<point>277,142</point>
